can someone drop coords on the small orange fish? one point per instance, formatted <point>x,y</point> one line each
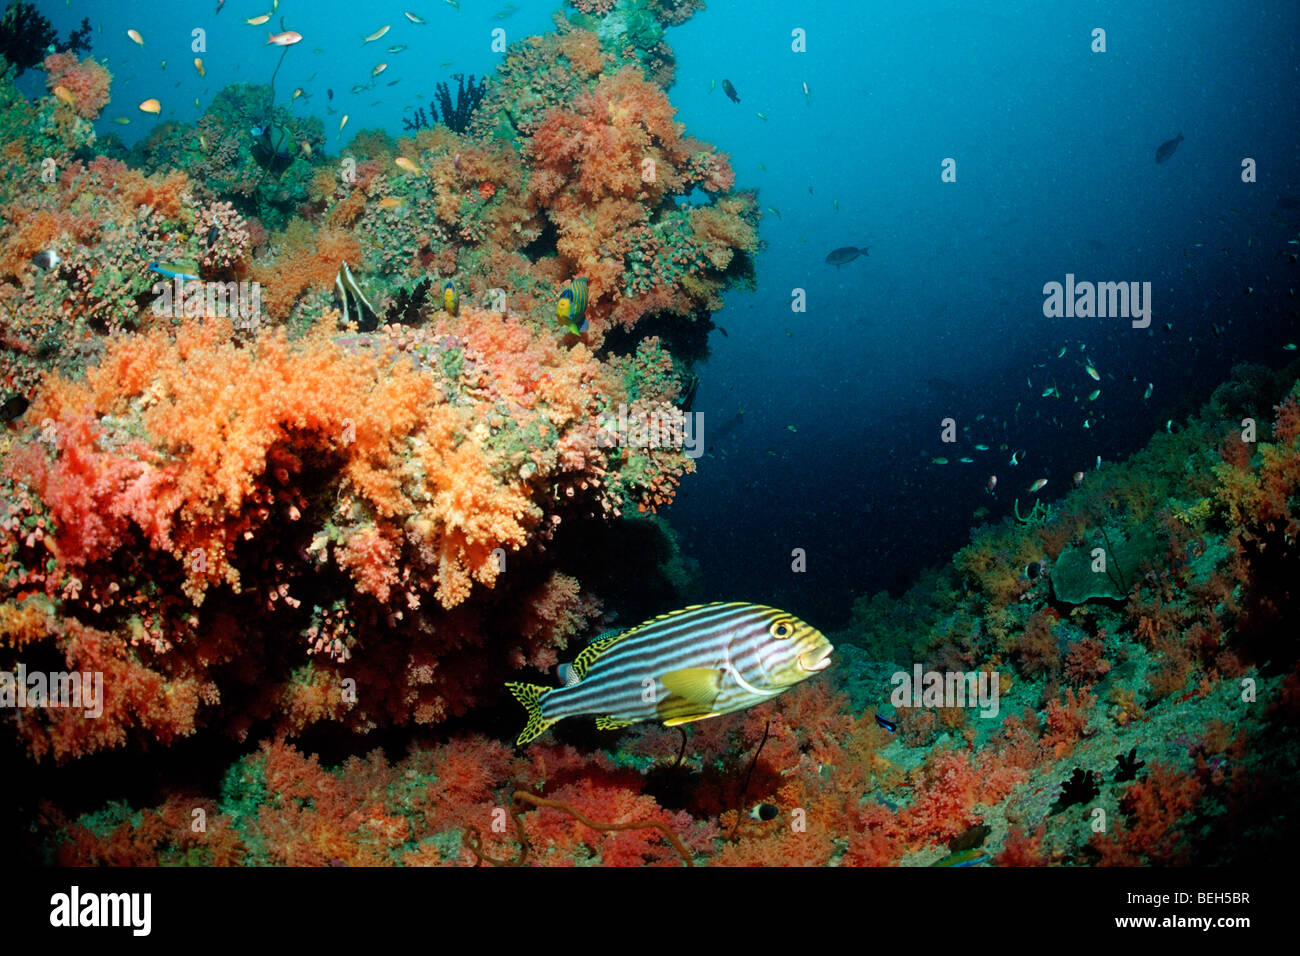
<point>151,106</point>
<point>135,35</point>
<point>287,38</point>
<point>63,94</point>
<point>198,65</point>
<point>389,202</point>
<point>404,163</point>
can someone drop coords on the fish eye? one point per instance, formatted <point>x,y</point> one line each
<point>781,630</point>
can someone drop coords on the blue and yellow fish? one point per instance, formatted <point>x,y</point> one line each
<point>175,270</point>
<point>450,300</point>
<point>571,307</point>
<point>699,662</point>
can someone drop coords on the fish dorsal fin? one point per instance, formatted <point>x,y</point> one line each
<point>684,610</point>
<point>700,685</point>
<point>590,654</point>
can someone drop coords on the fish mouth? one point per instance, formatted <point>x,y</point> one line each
<point>817,660</point>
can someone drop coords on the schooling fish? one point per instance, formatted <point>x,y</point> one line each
<point>692,664</point>
<point>412,17</point>
<point>376,35</point>
<point>1167,148</point>
<point>730,91</point>
<point>287,38</point>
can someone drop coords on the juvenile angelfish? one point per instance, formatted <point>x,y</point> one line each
<point>699,662</point>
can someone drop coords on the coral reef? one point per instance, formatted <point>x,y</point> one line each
<point>271,527</point>
<point>84,83</point>
<point>359,539</point>
<point>1023,787</point>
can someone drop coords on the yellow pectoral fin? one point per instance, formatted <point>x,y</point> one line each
<point>688,718</point>
<point>698,684</point>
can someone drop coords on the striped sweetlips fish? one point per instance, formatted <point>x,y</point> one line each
<point>701,661</point>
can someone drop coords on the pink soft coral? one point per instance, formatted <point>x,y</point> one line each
<point>86,81</point>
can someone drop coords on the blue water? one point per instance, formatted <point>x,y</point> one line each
<point>1055,173</point>
<point>1055,149</point>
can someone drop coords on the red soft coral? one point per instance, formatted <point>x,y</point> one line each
<point>1153,806</point>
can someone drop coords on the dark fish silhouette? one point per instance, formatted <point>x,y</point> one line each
<point>45,260</point>
<point>838,257</point>
<point>1167,148</point>
<point>730,91</point>
<point>14,407</point>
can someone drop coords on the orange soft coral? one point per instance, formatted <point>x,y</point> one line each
<point>307,259</point>
<point>602,165</point>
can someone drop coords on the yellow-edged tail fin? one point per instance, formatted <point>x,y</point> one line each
<point>530,695</point>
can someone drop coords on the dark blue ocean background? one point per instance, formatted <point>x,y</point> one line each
<point>822,425</point>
